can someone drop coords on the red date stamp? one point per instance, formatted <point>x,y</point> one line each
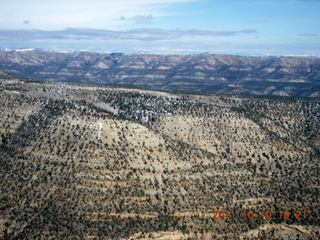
<point>250,214</point>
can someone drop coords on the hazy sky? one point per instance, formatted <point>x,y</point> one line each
<point>247,27</point>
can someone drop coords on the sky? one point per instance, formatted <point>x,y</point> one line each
<point>243,27</point>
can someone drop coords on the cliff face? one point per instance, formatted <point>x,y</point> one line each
<point>210,73</point>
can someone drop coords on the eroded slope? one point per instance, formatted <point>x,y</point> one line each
<point>84,162</point>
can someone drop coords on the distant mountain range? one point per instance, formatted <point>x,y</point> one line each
<point>207,73</point>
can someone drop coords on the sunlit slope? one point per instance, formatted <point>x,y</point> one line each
<point>83,162</point>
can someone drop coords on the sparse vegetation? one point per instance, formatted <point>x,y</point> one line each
<point>86,162</point>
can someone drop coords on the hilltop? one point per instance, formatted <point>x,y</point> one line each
<point>94,162</point>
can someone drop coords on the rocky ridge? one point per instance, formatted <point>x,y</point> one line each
<point>208,73</point>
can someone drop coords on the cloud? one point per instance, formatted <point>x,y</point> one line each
<point>143,34</point>
<point>307,35</point>
<point>196,32</point>
<point>143,19</point>
<point>26,22</point>
<point>100,14</point>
